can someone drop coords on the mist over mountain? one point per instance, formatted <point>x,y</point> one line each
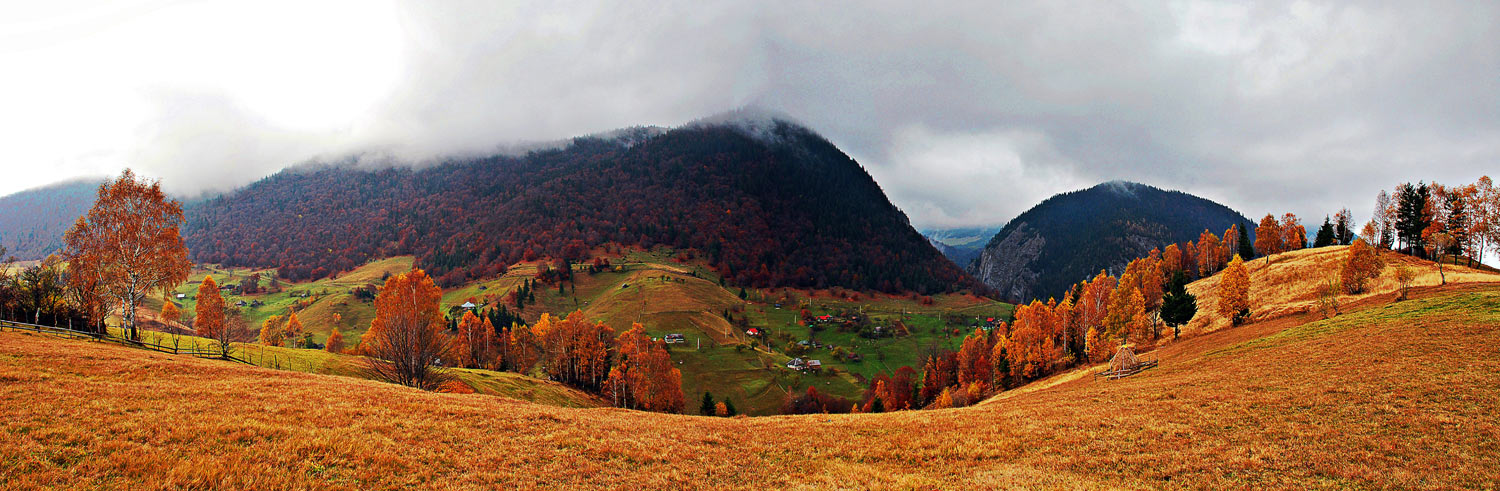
<point>768,202</point>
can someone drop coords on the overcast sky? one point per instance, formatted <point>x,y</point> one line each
<point>966,114</point>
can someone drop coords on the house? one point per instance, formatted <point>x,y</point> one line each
<point>181,296</point>
<point>814,365</point>
<point>796,364</point>
<point>240,303</point>
<point>752,332</point>
<point>802,342</point>
<point>675,338</point>
<point>468,306</point>
<point>856,357</point>
<point>825,318</point>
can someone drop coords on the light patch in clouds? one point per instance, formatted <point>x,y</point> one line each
<point>966,113</point>
<point>1007,171</point>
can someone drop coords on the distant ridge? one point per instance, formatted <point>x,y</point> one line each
<point>32,222</point>
<point>1074,235</point>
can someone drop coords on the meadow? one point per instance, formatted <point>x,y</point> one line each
<point>1396,394</point>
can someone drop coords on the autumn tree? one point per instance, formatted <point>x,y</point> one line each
<point>475,342</point>
<point>293,332</point>
<point>406,338</point>
<point>209,313</point>
<point>1361,263</point>
<point>576,352</point>
<point>644,376</point>
<point>1343,227</point>
<point>1234,291</point>
<point>974,359</point>
<point>1031,347</point>
<point>129,243</point>
<point>1437,243</point>
<point>1099,348</point>
<point>1268,237</point>
<point>335,342</point>
<point>272,331</point>
<point>170,314</point>
<point>1293,235</point>
<point>1210,254</point>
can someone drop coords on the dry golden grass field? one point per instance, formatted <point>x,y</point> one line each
<point>1287,284</point>
<point>1392,395</point>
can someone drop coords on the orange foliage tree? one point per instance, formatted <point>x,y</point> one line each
<point>1210,254</point>
<point>271,332</point>
<point>293,332</point>
<point>129,244</point>
<point>644,376</point>
<point>1234,291</point>
<point>170,314</point>
<point>1030,348</point>
<point>973,361</point>
<point>1361,264</point>
<point>1268,237</point>
<point>1293,234</point>
<point>209,312</point>
<point>406,338</point>
<point>335,342</point>
<point>575,352</point>
<point>475,342</point>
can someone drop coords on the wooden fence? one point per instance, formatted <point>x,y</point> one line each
<point>175,349</point>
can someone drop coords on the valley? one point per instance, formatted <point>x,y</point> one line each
<point>1387,394</point>
<point>668,296</point>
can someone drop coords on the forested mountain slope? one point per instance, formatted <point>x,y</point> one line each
<point>32,222</point>
<point>1073,235</point>
<point>769,204</point>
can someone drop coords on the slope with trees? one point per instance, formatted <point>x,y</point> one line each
<point>778,206</point>
<point>1073,235</point>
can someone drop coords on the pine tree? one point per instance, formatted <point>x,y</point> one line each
<point>1178,306</point>
<point>1411,216</point>
<point>1325,236</point>
<point>1247,248</point>
<point>729,408</point>
<point>707,407</point>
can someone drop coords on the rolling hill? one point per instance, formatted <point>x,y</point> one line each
<point>32,222</point>
<point>1387,395</point>
<point>767,203</point>
<point>1072,236</point>
<point>667,295</point>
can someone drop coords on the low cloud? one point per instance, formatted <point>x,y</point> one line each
<point>967,113</point>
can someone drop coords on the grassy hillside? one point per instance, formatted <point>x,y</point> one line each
<point>1395,395</point>
<point>1287,283</point>
<point>504,384</point>
<point>666,295</point>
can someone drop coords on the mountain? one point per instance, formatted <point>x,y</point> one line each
<point>32,222</point>
<point>961,245</point>
<point>767,203</point>
<point>1073,235</point>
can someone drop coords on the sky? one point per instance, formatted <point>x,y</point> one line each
<point>966,113</point>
